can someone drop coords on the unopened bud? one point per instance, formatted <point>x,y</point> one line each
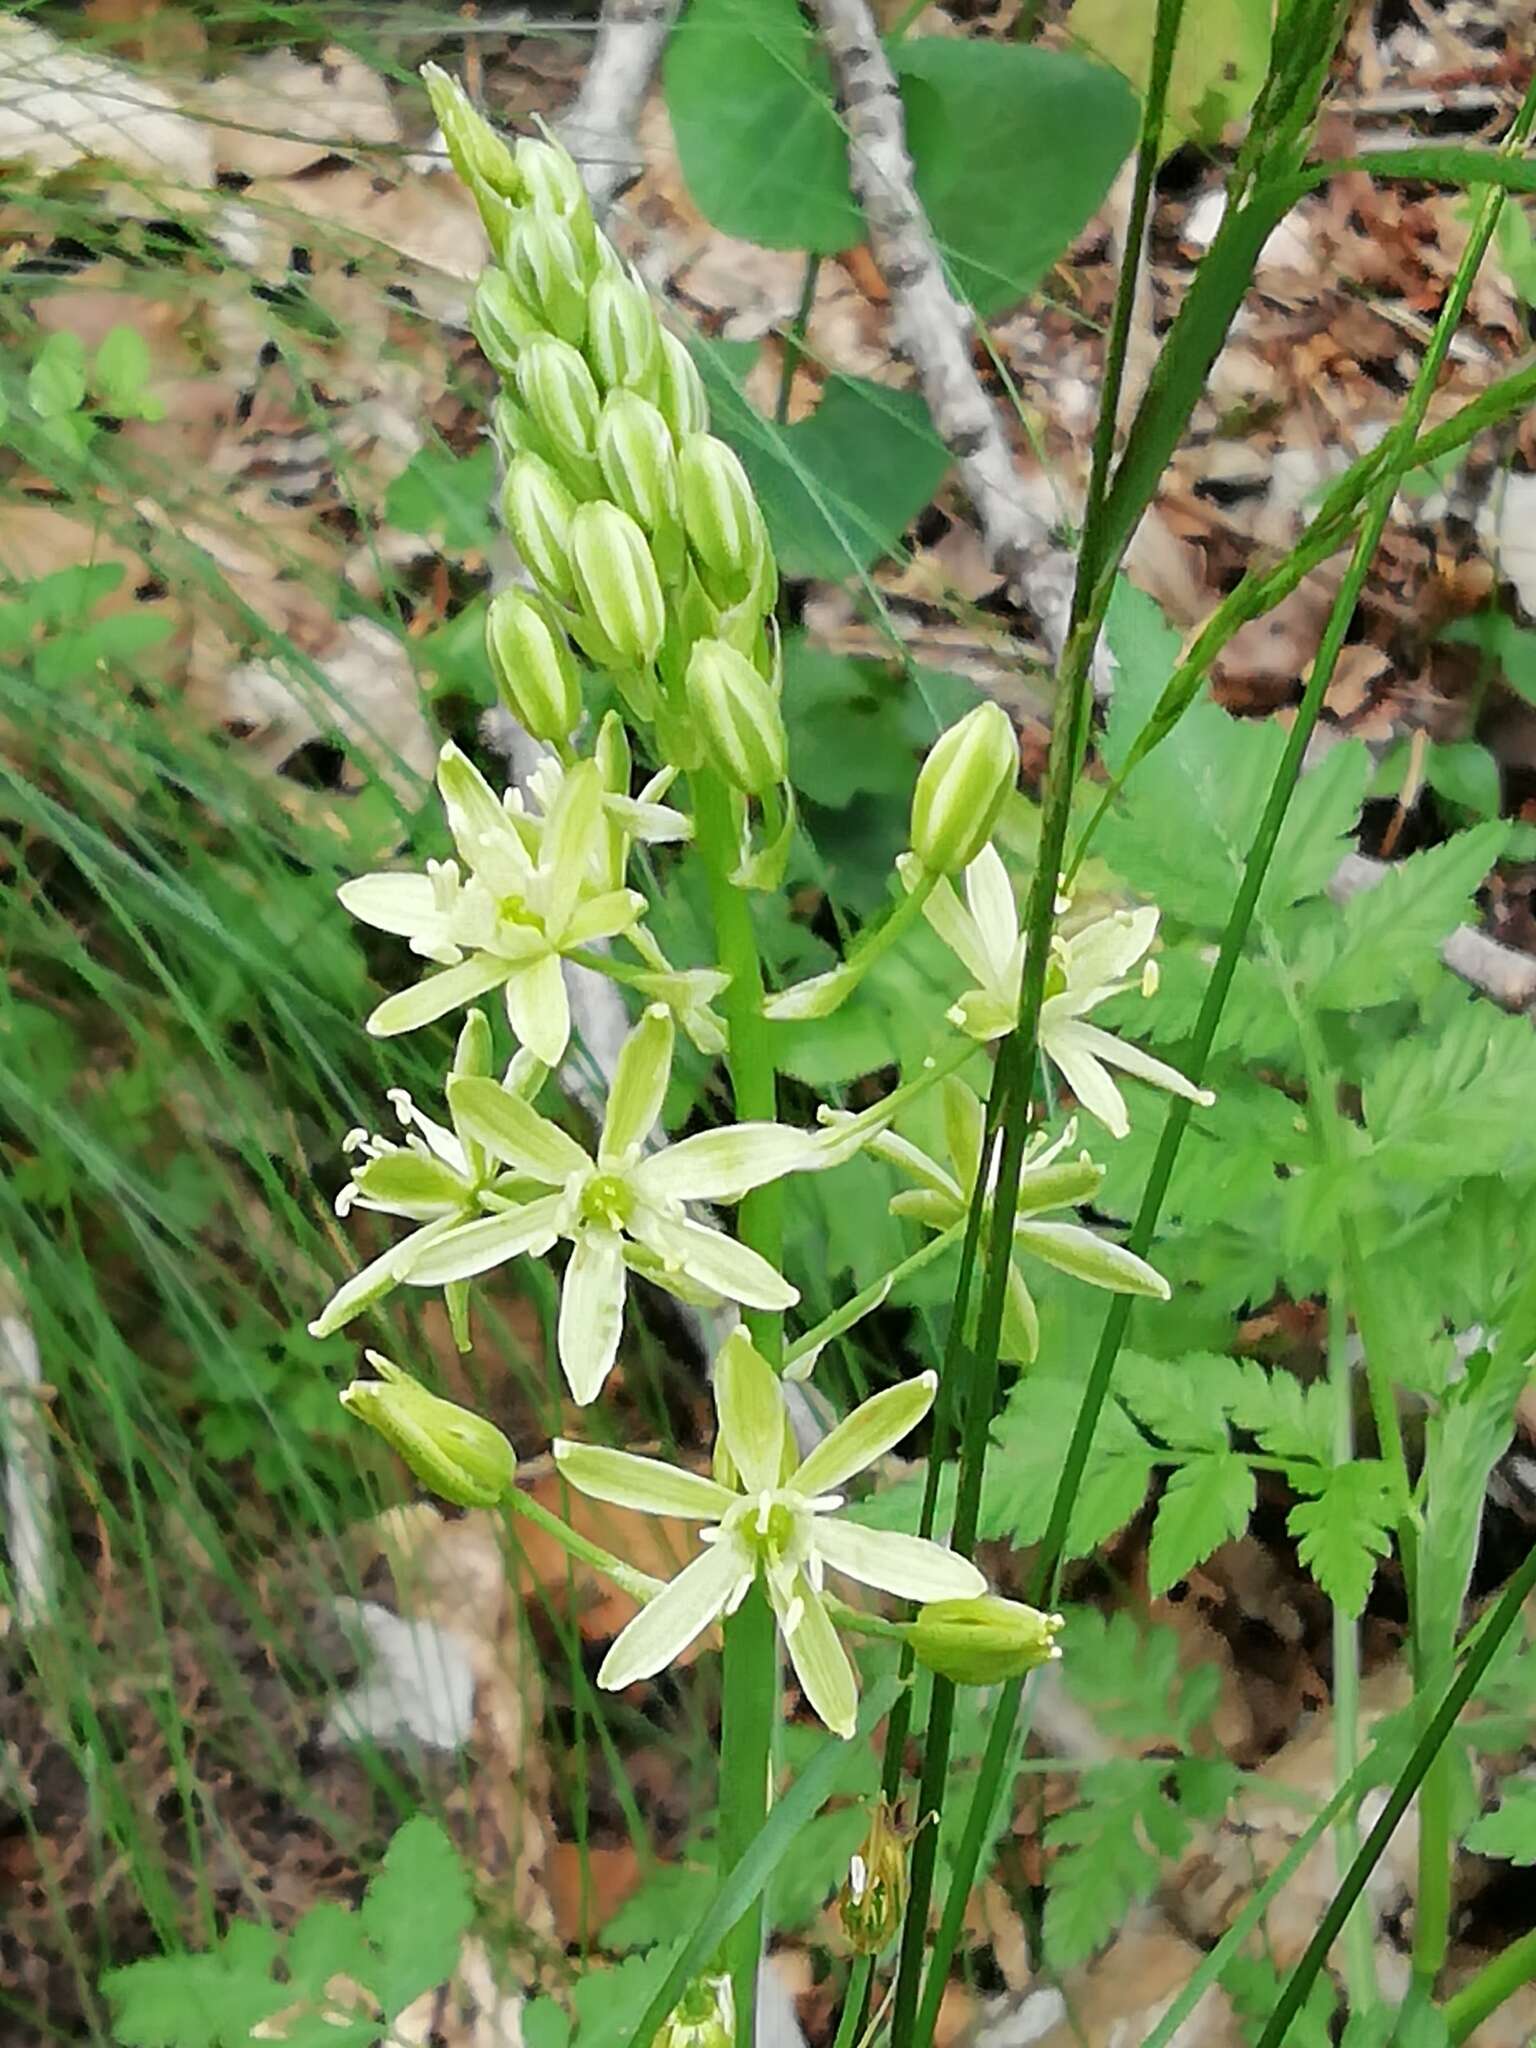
<point>738,713</point>
<point>624,336</point>
<point>478,153</point>
<point>472,1054</point>
<point>681,397</point>
<point>552,184</point>
<point>616,582</point>
<point>961,789</point>
<point>704,2017</point>
<point>634,451</point>
<point>983,1641</point>
<point>556,386</point>
<point>874,1897</point>
<point>546,268</point>
<point>537,510</point>
<point>725,528</point>
<point>450,1449</point>
<point>499,321</point>
<point>535,670</point>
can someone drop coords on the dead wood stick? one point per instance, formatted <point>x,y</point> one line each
<point>598,127</point>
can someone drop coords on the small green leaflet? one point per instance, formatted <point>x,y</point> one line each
<point>445,497</point>
<point>56,380</point>
<point>1130,1678</point>
<point>1206,1503</point>
<point>1344,1529</point>
<point>1387,934</point>
<point>1107,1855</point>
<point>208,2001</point>
<point>1509,1831</point>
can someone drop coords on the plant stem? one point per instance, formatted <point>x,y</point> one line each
<point>1488,1990</point>
<point>638,1585</point>
<point>869,1298</point>
<point>749,1706</point>
<point>794,339</point>
<point>855,1998</point>
<point>1429,1745</point>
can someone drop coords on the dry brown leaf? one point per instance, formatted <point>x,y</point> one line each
<point>288,113</point>
<point>59,105</point>
<point>431,221</point>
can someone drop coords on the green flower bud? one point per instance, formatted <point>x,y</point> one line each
<point>738,713</point>
<point>535,670</point>
<point>479,155</point>
<point>556,386</point>
<point>725,528</point>
<point>983,1641</point>
<point>455,1452</point>
<point>624,336</point>
<point>681,396</point>
<point>552,184</point>
<point>962,787</point>
<point>616,582</point>
<point>472,1054</point>
<point>704,2017</point>
<point>537,510</point>
<point>873,1899</point>
<point>634,451</point>
<point>500,322</point>
<point>547,271</point>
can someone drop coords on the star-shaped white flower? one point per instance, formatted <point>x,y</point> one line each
<point>530,889</point>
<point>1085,970</point>
<point>622,1210</point>
<point>774,1524</point>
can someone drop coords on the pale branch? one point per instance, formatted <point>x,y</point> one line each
<point>598,127</point>
<point>930,326</point>
<point>25,1462</point>
<point>1498,971</point>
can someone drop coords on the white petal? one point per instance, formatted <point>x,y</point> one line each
<point>490,1241</point>
<point>404,904</point>
<point>989,897</point>
<point>820,1661</point>
<point>639,1085</point>
<point>665,1626</point>
<point>435,996</point>
<point>538,1009</point>
<point>1086,1078</point>
<point>959,931</point>
<point>601,917</point>
<point>1115,1052</point>
<point>724,1165</point>
<point>485,836</point>
<point>1087,1256</point>
<point>569,833</point>
<point>513,1132</point>
<point>908,1566</point>
<point>714,1260</point>
<point>374,1281</point>
<point>655,1488</point>
<point>1109,948</point>
<point>867,1434</point>
<point>592,1312</point>
<point>751,1409</point>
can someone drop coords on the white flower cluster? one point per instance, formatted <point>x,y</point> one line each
<point>651,561</point>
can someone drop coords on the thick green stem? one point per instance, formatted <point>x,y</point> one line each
<point>855,1999</point>
<point>749,1706</point>
<point>869,1298</point>
<point>1359,1952</point>
<point>1488,1990</point>
<point>639,1585</point>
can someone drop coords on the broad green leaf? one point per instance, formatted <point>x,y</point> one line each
<point>1385,934</point>
<point>1218,66</point>
<point>414,1913</point>
<point>1511,648</point>
<point>1344,1530</point>
<point>1014,147</point>
<point>120,374</point>
<point>672,1895</point>
<point>1509,1831</point>
<point>205,2001</point>
<point>445,497</point>
<point>1206,1503</point>
<point>760,143</point>
<point>1465,773</point>
<point>56,381</point>
<point>839,489</point>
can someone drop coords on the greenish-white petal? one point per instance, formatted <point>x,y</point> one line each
<point>538,1009</point>
<point>1130,1059</point>
<point>1110,947</point>
<point>472,1248</point>
<point>371,1284</point>
<point>591,1312</point>
<point>569,835</point>
<point>404,904</point>
<point>724,1165</point>
<point>640,1077</point>
<point>1085,1074</point>
<point>995,915</point>
<point>1021,1321</point>
<point>750,1405</point>
<point>655,1488</point>
<point>1087,1256</point>
<point>812,999</point>
<point>714,1261</point>
<point>601,917</point>
<point>820,1661</point>
<point>873,1428</point>
<point>405,1184</point>
<point>487,841</point>
<point>436,996</point>
<point>958,929</point>
<point>665,1626</point>
<point>909,1566</point>
<point>964,1129</point>
<point>512,1131</point>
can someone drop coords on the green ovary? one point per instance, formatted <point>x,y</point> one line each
<point>606,1199</point>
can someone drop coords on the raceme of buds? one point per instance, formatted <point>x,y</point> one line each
<point>874,1897</point>
<point>624,336</point>
<point>739,718</point>
<point>704,2017</point>
<point>479,155</point>
<point>683,403</point>
<point>555,384</point>
<point>616,582</point>
<point>983,1641</point>
<point>546,269</point>
<point>458,1454</point>
<point>962,787</point>
<point>725,528</point>
<point>535,670</point>
<point>537,510</point>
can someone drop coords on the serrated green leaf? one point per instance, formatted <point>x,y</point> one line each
<point>1131,1679</point>
<point>1289,1420</point>
<point>206,2001</point>
<point>1453,1100</point>
<point>1207,1502</point>
<point>1183,1401</point>
<point>1107,1856</point>
<point>1386,934</point>
<point>1511,648</point>
<point>1344,1530</point>
<point>414,1913</point>
<point>1032,1437</point>
<point>670,1897</point>
<point>1466,774</point>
